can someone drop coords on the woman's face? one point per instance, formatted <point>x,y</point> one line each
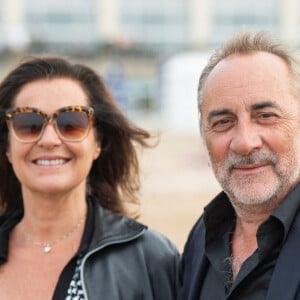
<point>51,165</point>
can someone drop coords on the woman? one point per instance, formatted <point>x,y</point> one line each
<point>68,164</point>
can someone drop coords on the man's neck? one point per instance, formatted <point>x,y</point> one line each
<point>244,242</point>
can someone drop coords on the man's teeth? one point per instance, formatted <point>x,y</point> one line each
<point>52,162</point>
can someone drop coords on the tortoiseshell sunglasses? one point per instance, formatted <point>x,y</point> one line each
<point>72,123</point>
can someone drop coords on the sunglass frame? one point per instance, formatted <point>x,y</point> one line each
<point>49,120</point>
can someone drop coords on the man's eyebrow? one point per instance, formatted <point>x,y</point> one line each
<point>265,104</point>
<point>218,112</point>
<point>226,111</point>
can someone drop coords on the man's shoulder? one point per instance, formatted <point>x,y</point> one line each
<point>196,236</point>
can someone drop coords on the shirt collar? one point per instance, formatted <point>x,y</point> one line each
<point>287,210</point>
<point>220,212</point>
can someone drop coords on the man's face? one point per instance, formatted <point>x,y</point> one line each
<point>251,127</point>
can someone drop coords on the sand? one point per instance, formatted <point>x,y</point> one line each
<point>176,184</point>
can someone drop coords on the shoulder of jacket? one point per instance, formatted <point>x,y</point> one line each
<point>11,217</point>
<point>157,243</point>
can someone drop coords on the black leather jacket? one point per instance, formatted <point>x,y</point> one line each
<point>126,261</point>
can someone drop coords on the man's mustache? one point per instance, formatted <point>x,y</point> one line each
<point>257,157</point>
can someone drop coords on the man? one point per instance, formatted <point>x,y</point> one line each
<point>247,243</point>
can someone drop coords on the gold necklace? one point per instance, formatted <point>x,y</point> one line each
<point>47,246</point>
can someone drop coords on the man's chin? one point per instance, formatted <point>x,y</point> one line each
<point>258,194</point>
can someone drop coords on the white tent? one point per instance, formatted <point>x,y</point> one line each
<point>179,81</point>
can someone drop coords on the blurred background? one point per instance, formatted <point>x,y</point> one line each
<point>151,54</point>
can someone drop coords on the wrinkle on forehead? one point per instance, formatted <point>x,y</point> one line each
<point>248,77</point>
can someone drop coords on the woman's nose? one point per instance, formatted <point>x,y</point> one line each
<point>49,136</point>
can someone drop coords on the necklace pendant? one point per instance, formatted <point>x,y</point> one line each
<point>47,248</point>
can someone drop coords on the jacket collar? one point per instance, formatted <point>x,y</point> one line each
<point>286,272</point>
<point>110,227</point>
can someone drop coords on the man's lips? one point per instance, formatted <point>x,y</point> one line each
<point>250,168</point>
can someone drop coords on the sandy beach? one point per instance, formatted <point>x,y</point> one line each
<point>176,184</point>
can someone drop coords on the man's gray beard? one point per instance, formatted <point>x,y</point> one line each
<point>239,190</point>
<point>251,196</point>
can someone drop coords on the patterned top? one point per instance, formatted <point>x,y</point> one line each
<point>75,291</point>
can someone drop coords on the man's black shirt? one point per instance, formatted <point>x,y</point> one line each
<point>253,279</point>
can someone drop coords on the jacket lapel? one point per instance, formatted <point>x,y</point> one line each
<point>197,280</point>
<point>195,264</point>
<point>286,276</point>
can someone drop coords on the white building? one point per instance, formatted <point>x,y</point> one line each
<point>167,25</point>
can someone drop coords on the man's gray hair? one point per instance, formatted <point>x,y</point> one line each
<point>245,42</point>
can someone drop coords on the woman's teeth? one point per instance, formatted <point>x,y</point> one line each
<point>52,162</point>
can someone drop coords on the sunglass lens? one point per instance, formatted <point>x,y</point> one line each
<point>72,125</point>
<point>27,125</point>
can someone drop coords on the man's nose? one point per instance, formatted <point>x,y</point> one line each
<point>246,138</point>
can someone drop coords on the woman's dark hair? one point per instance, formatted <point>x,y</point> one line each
<point>114,176</point>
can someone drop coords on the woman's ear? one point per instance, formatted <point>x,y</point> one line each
<point>97,151</point>
<point>8,152</point>
<point>8,155</point>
